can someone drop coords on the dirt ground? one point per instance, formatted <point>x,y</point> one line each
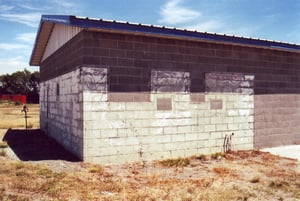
<point>29,171</point>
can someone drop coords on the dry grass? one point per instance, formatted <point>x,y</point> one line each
<point>3,145</point>
<point>205,180</point>
<point>25,181</point>
<point>12,117</point>
<point>178,162</point>
<point>241,175</point>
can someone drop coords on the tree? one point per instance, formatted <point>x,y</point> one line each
<point>21,82</point>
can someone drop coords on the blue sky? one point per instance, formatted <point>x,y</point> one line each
<point>265,19</point>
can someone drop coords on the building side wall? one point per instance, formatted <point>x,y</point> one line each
<point>276,120</point>
<point>61,115</point>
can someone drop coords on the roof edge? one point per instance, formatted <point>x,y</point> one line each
<point>118,26</point>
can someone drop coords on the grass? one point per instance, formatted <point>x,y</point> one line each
<point>2,152</point>
<point>178,162</point>
<point>96,169</point>
<point>240,175</point>
<point>217,156</point>
<point>3,145</point>
<point>12,117</point>
<point>255,180</point>
<point>28,181</point>
<point>202,157</point>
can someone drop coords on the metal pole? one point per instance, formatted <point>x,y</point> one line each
<point>25,110</point>
<point>26,120</point>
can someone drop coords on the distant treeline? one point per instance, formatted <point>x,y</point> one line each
<point>21,82</point>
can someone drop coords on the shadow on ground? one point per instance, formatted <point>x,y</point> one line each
<point>35,145</point>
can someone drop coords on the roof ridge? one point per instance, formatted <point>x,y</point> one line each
<point>186,29</point>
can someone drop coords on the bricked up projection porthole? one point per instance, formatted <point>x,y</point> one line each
<point>229,83</point>
<point>94,79</point>
<point>170,81</point>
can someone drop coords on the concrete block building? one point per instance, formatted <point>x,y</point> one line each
<point>116,92</point>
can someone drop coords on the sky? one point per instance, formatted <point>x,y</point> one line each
<point>277,20</point>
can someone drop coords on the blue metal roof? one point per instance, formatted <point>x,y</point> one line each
<point>157,30</point>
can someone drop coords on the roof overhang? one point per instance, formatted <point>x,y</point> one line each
<point>45,29</point>
<point>47,23</point>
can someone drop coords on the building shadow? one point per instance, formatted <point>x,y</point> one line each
<point>35,145</point>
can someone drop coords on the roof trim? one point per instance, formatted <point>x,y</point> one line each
<point>117,26</point>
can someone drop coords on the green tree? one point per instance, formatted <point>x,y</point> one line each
<point>21,82</point>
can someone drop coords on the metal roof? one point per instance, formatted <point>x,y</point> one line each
<point>47,22</point>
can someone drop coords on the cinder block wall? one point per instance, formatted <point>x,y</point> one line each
<point>61,113</point>
<point>130,59</point>
<point>276,120</point>
<point>140,126</point>
<point>125,131</point>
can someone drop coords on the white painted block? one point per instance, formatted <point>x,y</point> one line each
<point>209,128</point>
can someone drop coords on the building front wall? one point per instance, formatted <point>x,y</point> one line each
<point>125,131</point>
<point>136,116</point>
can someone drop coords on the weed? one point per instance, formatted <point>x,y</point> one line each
<point>218,195</point>
<point>30,125</point>
<point>2,152</point>
<point>278,184</point>
<point>204,183</point>
<point>96,169</point>
<point>23,173</point>
<point>255,180</point>
<point>18,103</point>
<point>19,165</point>
<point>3,145</point>
<point>141,196</point>
<point>217,156</point>
<point>17,197</point>
<point>202,157</point>
<point>112,186</point>
<point>186,197</point>
<point>45,173</point>
<point>221,170</point>
<point>179,162</point>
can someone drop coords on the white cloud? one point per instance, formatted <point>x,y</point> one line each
<point>207,26</point>
<point>173,13</point>
<point>29,12</point>
<point>12,46</point>
<point>64,4</point>
<point>29,19</point>
<point>10,65</point>
<point>5,8</point>
<point>222,27</point>
<point>28,7</point>
<point>26,37</point>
